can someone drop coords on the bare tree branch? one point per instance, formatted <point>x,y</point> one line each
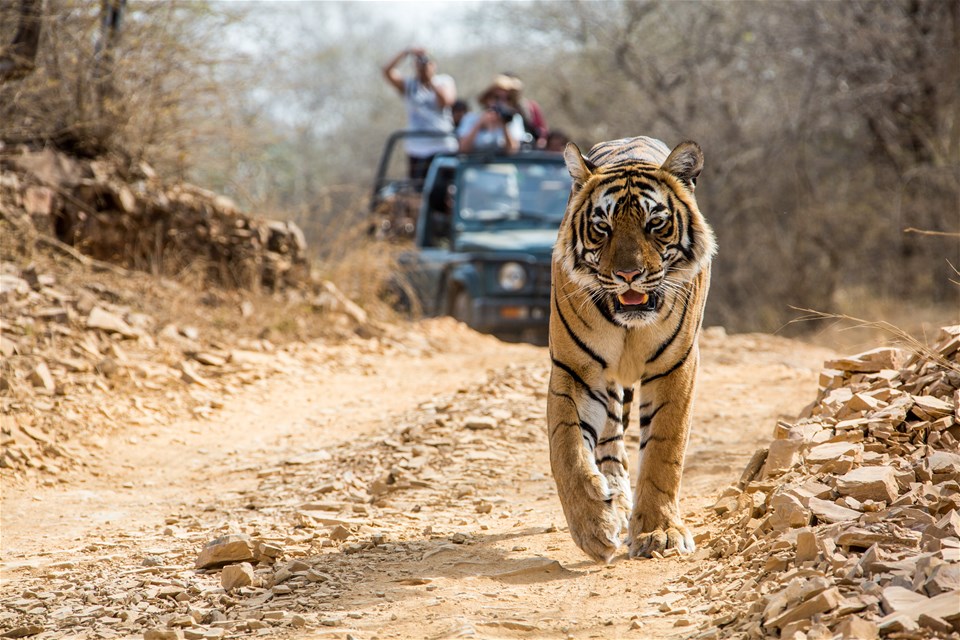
<point>925,232</point>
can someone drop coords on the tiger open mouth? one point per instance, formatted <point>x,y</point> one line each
<point>635,301</point>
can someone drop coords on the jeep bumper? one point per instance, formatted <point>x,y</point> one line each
<point>511,315</point>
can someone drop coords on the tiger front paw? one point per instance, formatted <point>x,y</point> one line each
<point>670,535</point>
<point>595,521</point>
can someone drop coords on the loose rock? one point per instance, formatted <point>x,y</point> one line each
<point>224,550</point>
<point>235,576</point>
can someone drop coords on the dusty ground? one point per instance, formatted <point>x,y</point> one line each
<point>370,464</point>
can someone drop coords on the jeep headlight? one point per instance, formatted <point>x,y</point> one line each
<point>512,276</point>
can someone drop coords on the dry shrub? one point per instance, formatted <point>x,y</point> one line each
<point>337,226</point>
<point>366,270</point>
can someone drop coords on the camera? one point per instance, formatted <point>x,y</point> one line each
<point>506,113</point>
<point>422,60</point>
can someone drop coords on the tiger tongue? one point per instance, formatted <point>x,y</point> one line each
<point>632,297</point>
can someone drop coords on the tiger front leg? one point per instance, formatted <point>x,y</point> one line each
<point>665,418</point>
<point>611,453</point>
<point>585,493</point>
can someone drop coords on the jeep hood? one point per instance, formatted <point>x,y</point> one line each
<point>535,241</point>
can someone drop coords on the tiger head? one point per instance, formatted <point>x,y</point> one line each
<point>632,236</point>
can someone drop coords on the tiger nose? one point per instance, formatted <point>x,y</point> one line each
<point>629,276</point>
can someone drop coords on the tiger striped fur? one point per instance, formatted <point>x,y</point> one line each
<point>631,270</point>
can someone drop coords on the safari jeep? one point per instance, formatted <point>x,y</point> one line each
<point>483,239</point>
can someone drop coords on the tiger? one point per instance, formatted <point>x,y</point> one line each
<point>630,275</point>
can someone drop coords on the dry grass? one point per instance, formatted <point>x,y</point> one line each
<point>364,269</point>
<point>894,333</point>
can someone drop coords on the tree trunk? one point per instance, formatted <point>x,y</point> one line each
<point>20,57</point>
<point>111,17</point>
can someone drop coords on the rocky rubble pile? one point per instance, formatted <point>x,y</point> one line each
<point>131,218</point>
<point>848,525</point>
<point>324,540</point>
<point>82,358</point>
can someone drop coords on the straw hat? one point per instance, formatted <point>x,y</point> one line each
<point>500,83</point>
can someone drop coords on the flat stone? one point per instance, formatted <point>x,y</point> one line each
<point>936,623</point>
<point>298,621</point>
<point>863,538</point>
<point>944,463</point>
<point>830,378</point>
<point>782,455</point>
<point>932,406</point>
<point>870,483</point>
<point>24,631</point>
<point>949,525</point>
<point>104,320</point>
<point>724,505</point>
<point>340,533</point>
<point>226,550</point>
<point>210,359</point>
<point>869,361</point>
<point>270,551</point>
<point>480,423</point>
<point>831,512</point>
<point>913,606</point>
<point>820,603</point>
<point>943,578</point>
<point>830,451</point>
<point>899,598</point>
<point>856,628</point>
<point>863,402</point>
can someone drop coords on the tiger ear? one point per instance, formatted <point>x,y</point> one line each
<point>579,167</point>
<point>685,162</point>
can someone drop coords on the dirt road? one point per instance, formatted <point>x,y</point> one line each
<point>406,486</point>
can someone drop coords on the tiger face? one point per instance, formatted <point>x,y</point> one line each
<point>633,235</point>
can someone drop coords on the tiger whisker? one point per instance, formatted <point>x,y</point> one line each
<point>581,289</point>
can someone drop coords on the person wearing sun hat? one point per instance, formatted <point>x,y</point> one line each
<point>428,97</point>
<point>533,120</point>
<point>497,126</point>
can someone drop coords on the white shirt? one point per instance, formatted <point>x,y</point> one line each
<point>424,114</point>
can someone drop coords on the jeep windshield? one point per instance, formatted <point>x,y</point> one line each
<point>512,195</point>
